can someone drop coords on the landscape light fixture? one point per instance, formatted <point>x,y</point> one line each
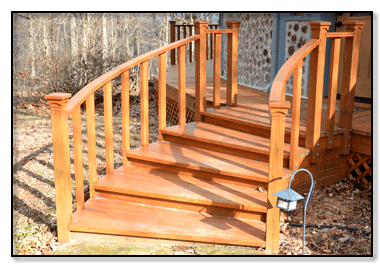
<point>287,200</point>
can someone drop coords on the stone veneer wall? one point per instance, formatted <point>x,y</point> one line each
<point>255,43</point>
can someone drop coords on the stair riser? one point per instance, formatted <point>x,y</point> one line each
<point>216,210</point>
<point>197,173</point>
<point>222,149</point>
<point>252,129</point>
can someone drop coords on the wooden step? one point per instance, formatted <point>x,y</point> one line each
<point>107,216</point>
<point>201,163</point>
<point>156,187</point>
<point>225,140</point>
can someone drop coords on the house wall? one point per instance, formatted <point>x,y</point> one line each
<point>255,44</point>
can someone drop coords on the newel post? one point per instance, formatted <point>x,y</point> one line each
<point>314,102</point>
<point>350,71</point>
<point>200,68</point>
<point>278,111</point>
<point>172,39</point>
<point>232,62</point>
<point>60,134</point>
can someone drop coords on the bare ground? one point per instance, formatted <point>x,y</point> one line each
<point>34,215</point>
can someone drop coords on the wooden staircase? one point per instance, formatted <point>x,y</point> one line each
<point>199,184</point>
<point>200,181</point>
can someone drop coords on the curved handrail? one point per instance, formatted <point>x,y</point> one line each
<point>90,88</point>
<point>277,90</point>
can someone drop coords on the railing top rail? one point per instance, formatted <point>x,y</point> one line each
<point>219,31</point>
<point>285,71</point>
<point>90,88</point>
<point>340,34</point>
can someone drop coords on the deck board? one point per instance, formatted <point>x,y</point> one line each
<point>253,103</point>
<point>106,216</point>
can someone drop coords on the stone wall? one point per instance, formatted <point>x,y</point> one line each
<point>255,43</point>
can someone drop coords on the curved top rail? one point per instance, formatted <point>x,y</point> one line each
<point>279,82</point>
<point>90,88</point>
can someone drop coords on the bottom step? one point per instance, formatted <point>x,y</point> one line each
<point>106,216</point>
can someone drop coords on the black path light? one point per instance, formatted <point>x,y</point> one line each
<point>287,200</point>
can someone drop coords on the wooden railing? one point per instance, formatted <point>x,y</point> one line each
<point>188,30</point>
<point>62,108</point>
<point>279,107</point>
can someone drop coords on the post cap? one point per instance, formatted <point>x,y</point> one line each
<point>201,22</point>
<point>58,96</point>
<point>319,23</point>
<point>354,24</point>
<point>233,23</point>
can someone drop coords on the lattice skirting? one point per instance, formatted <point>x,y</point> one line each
<point>360,171</point>
<point>172,111</point>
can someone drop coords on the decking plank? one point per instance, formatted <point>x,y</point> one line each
<point>106,216</point>
<point>145,182</point>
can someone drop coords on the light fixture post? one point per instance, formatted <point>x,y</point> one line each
<point>306,203</point>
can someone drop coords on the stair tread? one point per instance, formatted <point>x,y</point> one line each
<point>153,183</point>
<point>116,217</point>
<point>227,137</point>
<point>205,160</point>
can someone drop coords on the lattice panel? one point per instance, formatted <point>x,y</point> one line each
<point>172,111</point>
<point>360,171</point>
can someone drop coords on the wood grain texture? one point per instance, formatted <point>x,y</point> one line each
<point>333,84</point>
<point>316,73</point>
<point>232,62</point>
<point>217,61</point>
<point>296,108</point>
<point>161,94</point>
<point>182,85</point>
<point>78,159</point>
<point>274,177</point>
<point>62,179</point>
<point>144,95</point>
<point>91,143</point>
<point>200,68</point>
<point>125,115</point>
<point>108,127</point>
<point>172,39</point>
<point>104,216</point>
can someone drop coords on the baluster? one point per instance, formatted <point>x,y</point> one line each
<point>200,69</point>
<point>125,115</point>
<point>178,32</point>
<point>61,154</point>
<point>108,129</point>
<point>78,159</point>
<point>144,103</point>
<point>314,102</point>
<point>351,59</point>
<point>217,58</point>
<point>182,85</point>
<point>296,110</point>
<point>91,143</point>
<point>232,60</point>
<point>184,36</point>
<point>278,112</point>
<point>211,44</point>
<point>191,45</point>
<point>172,39</point>
<point>333,83</point>
<point>161,94</point>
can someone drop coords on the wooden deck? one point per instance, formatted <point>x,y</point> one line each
<point>253,103</point>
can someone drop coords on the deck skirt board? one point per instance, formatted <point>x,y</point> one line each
<point>106,216</point>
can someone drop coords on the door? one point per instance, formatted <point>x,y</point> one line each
<point>363,82</point>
